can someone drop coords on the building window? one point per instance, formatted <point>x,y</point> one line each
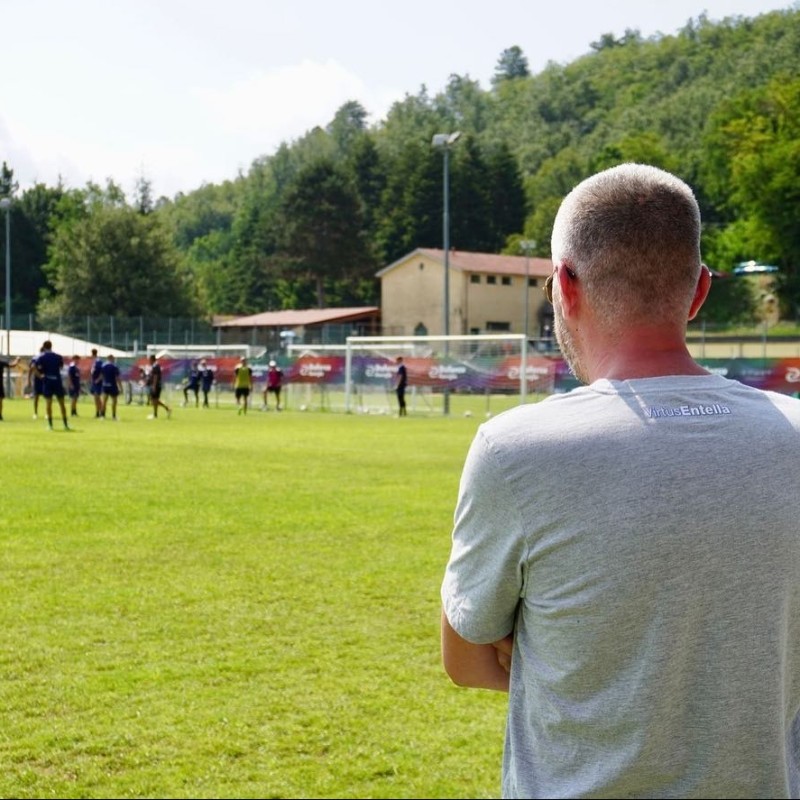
<point>474,278</point>
<point>506,280</point>
<point>421,265</point>
<point>497,327</point>
<point>491,279</point>
<point>533,282</point>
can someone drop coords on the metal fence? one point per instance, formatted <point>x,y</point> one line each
<point>132,334</point>
<point>135,334</point>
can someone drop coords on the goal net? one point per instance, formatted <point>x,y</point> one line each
<point>446,374</point>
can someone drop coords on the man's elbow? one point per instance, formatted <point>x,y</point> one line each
<point>457,674</point>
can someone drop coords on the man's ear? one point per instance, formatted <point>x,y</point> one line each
<point>567,288</point>
<point>701,291</point>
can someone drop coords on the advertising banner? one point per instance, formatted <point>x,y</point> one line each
<point>500,373</point>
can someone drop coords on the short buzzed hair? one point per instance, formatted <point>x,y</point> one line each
<point>632,235</point>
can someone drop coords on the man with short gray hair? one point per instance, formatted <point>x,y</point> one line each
<point>625,557</point>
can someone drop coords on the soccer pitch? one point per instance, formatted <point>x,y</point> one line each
<point>219,605</point>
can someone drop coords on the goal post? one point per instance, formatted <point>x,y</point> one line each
<point>480,363</point>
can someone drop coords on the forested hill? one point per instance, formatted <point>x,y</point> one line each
<point>718,103</point>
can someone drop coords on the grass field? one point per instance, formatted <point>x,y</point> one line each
<point>234,606</point>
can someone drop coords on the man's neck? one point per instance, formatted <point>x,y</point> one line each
<point>642,354</point>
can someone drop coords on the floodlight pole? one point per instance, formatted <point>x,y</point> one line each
<point>527,245</point>
<point>446,240</point>
<point>5,203</point>
<point>444,141</point>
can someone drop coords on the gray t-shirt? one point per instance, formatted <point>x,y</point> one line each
<point>642,539</point>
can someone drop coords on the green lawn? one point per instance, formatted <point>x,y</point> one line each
<point>234,606</point>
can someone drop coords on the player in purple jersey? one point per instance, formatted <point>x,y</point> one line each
<point>206,380</point>
<point>192,384</point>
<point>96,383</point>
<point>74,384</point>
<point>5,364</point>
<point>49,366</point>
<point>112,386</point>
<point>36,384</point>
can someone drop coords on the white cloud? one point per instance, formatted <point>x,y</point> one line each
<point>270,107</point>
<point>210,93</point>
<point>211,135</point>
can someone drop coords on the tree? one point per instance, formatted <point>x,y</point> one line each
<point>33,215</point>
<point>608,41</point>
<point>348,125</point>
<point>462,106</point>
<point>365,165</point>
<point>754,171</point>
<point>512,64</point>
<point>505,196</point>
<point>412,119</point>
<point>411,202</point>
<point>323,236</point>
<point>107,258</point>
<point>479,204</point>
<point>8,186</point>
<point>143,197</point>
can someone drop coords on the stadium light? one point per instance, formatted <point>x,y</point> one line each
<point>5,203</point>
<point>444,141</point>
<point>527,245</point>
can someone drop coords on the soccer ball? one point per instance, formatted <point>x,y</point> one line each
<point>304,407</point>
<point>467,413</point>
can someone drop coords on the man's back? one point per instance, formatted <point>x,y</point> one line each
<point>74,375</point>
<point>50,364</point>
<point>109,373</point>
<point>648,542</point>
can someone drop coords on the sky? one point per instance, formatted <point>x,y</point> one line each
<point>187,92</point>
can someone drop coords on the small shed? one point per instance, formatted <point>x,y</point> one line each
<point>273,330</point>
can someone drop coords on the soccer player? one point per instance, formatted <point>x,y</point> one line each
<point>273,385</point>
<point>4,365</point>
<point>400,383</point>
<point>36,383</point>
<point>49,366</point>
<point>242,384</point>
<point>96,383</point>
<point>206,380</point>
<point>155,389</point>
<point>192,385</point>
<point>111,386</point>
<point>74,384</point>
